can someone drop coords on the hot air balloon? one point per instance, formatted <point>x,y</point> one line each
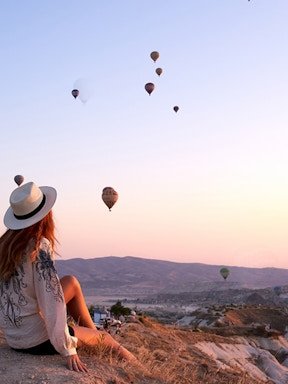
<point>75,93</point>
<point>176,108</point>
<point>224,272</point>
<point>19,179</point>
<point>154,55</point>
<point>159,71</point>
<point>109,196</point>
<point>149,87</point>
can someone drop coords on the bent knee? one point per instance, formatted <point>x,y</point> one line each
<point>71,281</point>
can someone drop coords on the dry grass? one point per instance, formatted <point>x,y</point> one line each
<point>100,350</point>
<point>169,356</point>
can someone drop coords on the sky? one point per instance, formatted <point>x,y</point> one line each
<point>208,184</point>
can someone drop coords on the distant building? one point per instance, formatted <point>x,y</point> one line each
<point>100,315</point>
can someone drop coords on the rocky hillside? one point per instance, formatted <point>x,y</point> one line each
<point>213,296</point>
<point>239,345</point>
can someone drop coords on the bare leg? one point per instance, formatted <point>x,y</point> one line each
<point>75,301</point>
<point>86,331</point>
<point>93,337</point>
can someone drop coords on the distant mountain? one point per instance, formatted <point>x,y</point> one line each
<point>148,276</point>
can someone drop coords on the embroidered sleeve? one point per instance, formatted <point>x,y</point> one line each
<point>52,304</point>
<point>47,273</point>
<point>12,299</point>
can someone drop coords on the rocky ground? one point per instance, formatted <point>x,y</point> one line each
<point>238,345</point>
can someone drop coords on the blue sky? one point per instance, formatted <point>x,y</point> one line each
<point>208,184</point>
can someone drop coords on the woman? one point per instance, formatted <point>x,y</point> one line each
<point>33,300</point>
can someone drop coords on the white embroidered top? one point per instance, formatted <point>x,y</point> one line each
<point>32,306</point>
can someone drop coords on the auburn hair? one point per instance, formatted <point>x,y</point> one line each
<point>15,243</point>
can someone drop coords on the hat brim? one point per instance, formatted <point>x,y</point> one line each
<point>11,222</point>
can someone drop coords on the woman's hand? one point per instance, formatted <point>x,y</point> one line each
<point>75,364</point>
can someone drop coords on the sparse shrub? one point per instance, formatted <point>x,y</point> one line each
<point>118,309</point>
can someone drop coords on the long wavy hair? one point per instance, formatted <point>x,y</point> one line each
<point>14,244</point>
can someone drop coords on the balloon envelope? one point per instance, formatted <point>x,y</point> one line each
<point>109,196</point>
<point>176,108</point>
<point>159,71</point>
<point>149,87</point>
<point>75,93</point>
<point>154,55</point>
<point>224,272</point>
<point>19,179</point>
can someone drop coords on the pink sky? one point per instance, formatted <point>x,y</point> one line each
<point>208,184</point>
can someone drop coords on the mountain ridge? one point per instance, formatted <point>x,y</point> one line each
<point>154,276</point>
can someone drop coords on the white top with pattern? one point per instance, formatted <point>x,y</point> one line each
<point>32,306</point>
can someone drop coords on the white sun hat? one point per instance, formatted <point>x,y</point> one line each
<point>28,205</point>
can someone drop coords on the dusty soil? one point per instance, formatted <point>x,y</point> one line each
<point>20,368</point>
<point>168,354</point>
